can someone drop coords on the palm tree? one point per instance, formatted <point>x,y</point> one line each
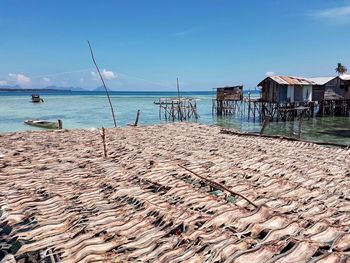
<point>341,69</point>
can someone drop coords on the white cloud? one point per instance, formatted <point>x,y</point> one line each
<point>269,73</point>
<point>107,74</point>
<point>338,15</point>
<point>3,82</point>
<point>20,79</point>
<point>188,31</point>
<point>46,79</point>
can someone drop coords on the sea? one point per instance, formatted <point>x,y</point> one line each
<point>91,110</point>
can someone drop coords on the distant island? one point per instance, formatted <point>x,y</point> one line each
<point>31,90</point>
<point>18,88</point>
<point>65,88</point>
<point>101,88</point>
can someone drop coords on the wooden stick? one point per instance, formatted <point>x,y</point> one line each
<point>103,136</point>
<point>219,186</point>
<point>104,85</point>
<point>137,118</point>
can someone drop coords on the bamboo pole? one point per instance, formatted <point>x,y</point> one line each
<point>104,85</point>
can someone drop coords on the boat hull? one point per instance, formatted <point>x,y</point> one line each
<point>36,98</point>
<point>42,124</point>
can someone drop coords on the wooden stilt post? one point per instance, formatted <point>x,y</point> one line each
<point>300,124</point>
<point>166,109</point>
<point>160,108</point>
<point>178,100</point>
<point>249,106</point>
<point>60,124</point>
<point>137,117</point>
<point>265,122</point>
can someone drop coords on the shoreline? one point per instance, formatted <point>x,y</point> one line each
<point>223,130</point>
<point>59,194</point>
<point>87,111</point>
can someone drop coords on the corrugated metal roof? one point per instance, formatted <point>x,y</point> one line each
<point>61,201</point>
<point>345,77</point>
<point>320,80</point>
<point>289,80</point>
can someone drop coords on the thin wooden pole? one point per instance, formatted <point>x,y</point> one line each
<point>103,136</point>
<point>104,85</point>
<point>217,185</point>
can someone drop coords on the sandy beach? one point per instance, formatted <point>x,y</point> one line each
<point>61,200</point>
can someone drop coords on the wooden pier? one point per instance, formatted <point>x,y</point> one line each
<point>340,107</point>
<point>180,109</point>
<point>256,109</point>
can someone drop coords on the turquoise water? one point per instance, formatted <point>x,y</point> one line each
<point>91,110</point>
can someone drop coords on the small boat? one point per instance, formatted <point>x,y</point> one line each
<point>36,98</point>
<point>45,124</point>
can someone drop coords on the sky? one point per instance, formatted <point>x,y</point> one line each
<point>146,45</point>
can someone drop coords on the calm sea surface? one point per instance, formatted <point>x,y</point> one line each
<point>91,110</point>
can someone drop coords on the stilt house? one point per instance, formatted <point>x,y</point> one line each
<point>300,89</point>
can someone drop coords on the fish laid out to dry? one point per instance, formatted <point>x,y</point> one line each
<point>180,192</point>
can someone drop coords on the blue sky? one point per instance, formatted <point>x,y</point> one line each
<point>145,45</point>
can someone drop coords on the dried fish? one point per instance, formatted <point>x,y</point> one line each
<point>342,243</point>
<point>301,252</point>
<point>61,200</point>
